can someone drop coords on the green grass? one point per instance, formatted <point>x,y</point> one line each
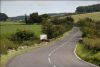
<point>87,54</point>
<point>5,58</point>
<point>94,16</point>
<point>8,28</point>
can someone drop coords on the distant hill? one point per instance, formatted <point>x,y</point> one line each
<point>88,9</point>
<point>18,18</point>
<point>61,14</point>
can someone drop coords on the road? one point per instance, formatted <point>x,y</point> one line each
<point>58,54</point>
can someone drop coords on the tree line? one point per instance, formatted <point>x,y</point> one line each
<point>35,18</point>
<point>88,9</point>
<point>38,18</point>
<point>52,26</point>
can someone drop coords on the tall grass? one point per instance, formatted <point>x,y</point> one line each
<point>95,16</point>
<point>89,49</point>
<point>89,55</point>
<point>92,43</point>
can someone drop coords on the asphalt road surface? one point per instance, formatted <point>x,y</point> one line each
<point>59,54</point>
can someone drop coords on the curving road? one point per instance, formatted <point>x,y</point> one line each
<point>58,54</point>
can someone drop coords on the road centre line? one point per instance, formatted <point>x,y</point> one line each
<point>58,48</point>
<point>54,65</point>
<point>49,60</point>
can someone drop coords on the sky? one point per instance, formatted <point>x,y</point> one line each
<point>16,8</point>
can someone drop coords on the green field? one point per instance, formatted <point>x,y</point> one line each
<point>88,55</point>
<point>94,16</point>
<point>8,28</point>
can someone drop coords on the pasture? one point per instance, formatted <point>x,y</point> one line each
<point>95,16</point>
<point>8,28</point>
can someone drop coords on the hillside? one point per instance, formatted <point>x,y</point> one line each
<point>94,16</point>
<point>88,8</point>
<point>17,18</point>
<point>89,48</point>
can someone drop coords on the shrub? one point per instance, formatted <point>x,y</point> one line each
<point>89,27</point>
<point>21,36</point>
<point>48,29</point>
<point>58,30</point>
<point>91,33</point>
<point>57,26</point>
<point>67,20</point>
<point>97,33</point>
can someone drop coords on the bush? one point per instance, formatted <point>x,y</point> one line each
<point>57,26</point>
<point>91,33</point>
<point>88,27</point>
<point>21,36</point>
<point>58,30</point>
<point>48,29</point>
<point>67,20</point>
<point>97,33</point>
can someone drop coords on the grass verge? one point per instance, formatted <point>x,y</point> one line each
<point>88,55</point>
<point>95,16</point>
<point>5,58</point>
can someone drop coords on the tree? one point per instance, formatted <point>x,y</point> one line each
<point>3,17</point>
<point>26,19</point>
<point>48,29</point>
<point>53,30</point>
<point>34,18</point>
<point>44,16</point>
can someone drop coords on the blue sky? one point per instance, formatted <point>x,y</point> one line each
<point>16,8</point>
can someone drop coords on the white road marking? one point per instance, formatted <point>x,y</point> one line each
<point>49,54</point>
<point>54,66</point>
<point>57,49</point>
<point>49,60</point>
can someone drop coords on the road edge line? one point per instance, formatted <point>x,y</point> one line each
<point>82,59</point>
